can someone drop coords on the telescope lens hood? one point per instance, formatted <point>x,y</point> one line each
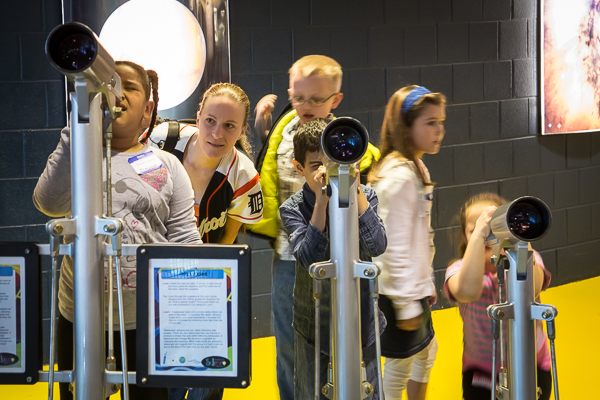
<point>345,140</point>
<point>72,47</point>
<point>526,218</point>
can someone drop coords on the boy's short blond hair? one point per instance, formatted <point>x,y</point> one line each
<point>317,65</point>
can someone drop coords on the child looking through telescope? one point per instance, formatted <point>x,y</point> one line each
<point>305,218</point>
<point>413,126</point>
<point>472,281</point>
<point>151,193</point>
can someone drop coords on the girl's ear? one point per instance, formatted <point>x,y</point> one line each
<point>149,108</point>
<point>147,117</point>
<point>148,113</point>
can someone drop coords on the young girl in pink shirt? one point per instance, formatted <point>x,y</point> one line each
<point>472,282</point>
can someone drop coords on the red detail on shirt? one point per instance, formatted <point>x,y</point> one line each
<point>219,187</point>
<point>249,185</point>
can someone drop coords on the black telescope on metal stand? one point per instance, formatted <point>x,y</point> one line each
<point>75,50</point>
<point>344,142</point>
<point>514,225</point>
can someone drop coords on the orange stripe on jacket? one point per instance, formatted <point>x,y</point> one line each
<point>249,185</point>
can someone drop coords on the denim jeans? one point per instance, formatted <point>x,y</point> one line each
<point>304,376</point>
<point>284,273</point>
<point>195,393</point>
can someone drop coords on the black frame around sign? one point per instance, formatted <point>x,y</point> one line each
<point>32,336</point>
<point>240,253</point>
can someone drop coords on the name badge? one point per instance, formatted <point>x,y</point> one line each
<point>145,162</point>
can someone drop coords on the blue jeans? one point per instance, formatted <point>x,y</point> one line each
<point>284,274</point>
<point>196,393</point>
<point>304,377</point>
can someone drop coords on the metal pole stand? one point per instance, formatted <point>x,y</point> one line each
<point>520,311</point>
<point>349,377</point>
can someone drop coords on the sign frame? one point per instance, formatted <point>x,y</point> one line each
<point>30,307</point>
<point>241,255</point>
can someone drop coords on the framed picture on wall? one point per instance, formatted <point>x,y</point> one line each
<point>570,60</point>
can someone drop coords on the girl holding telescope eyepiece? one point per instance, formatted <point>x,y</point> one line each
<point>151,193</point>
<point>413,126</point>
<point>472,281</point>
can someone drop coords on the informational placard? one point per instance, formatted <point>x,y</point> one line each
<point>12,315</point>
<point>193,316</point>
<point>20,358</point>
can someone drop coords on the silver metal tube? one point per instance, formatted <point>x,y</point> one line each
<point>88,271</point>
<point>521,338</point>
<point>317,297</point>
<point>493,390</point>
<point>110,283</point>
<point>53,325</point>
<point>501,322</point>
<point>554,372</point>
<point>373,284</point>
<point>125,387</point>
<point>345,296</point>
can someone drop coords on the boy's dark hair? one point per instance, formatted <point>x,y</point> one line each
<point>308,138</point>
<point>149,81</point>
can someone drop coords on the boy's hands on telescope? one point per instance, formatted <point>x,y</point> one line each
<point>319,217</point>
<point>320,181</point>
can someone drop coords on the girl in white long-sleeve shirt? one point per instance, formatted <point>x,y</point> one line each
<point>413,126</point>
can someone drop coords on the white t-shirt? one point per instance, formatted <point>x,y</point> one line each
<point>289,181</point>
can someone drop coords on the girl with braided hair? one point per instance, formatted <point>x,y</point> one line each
<point>156,205</point>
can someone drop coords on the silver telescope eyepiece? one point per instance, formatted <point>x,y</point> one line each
<point>345,140</point>
<point>75,50</point>
<point>526,218</point>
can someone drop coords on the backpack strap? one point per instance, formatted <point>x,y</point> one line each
<point>172,137</point>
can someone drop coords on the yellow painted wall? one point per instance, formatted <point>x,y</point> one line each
<point>577,348</point>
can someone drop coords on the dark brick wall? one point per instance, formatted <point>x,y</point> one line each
<point>480,53</point>
<point>32,112</point>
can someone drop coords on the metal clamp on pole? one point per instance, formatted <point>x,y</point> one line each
<point>322,270</point>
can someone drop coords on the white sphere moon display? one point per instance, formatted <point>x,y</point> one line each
<point>162,35</point>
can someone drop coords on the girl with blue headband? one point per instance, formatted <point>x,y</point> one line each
<point>413,126</point>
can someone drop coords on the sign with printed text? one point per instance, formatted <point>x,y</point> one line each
<point>193,315</point>
<point>12,320</point>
